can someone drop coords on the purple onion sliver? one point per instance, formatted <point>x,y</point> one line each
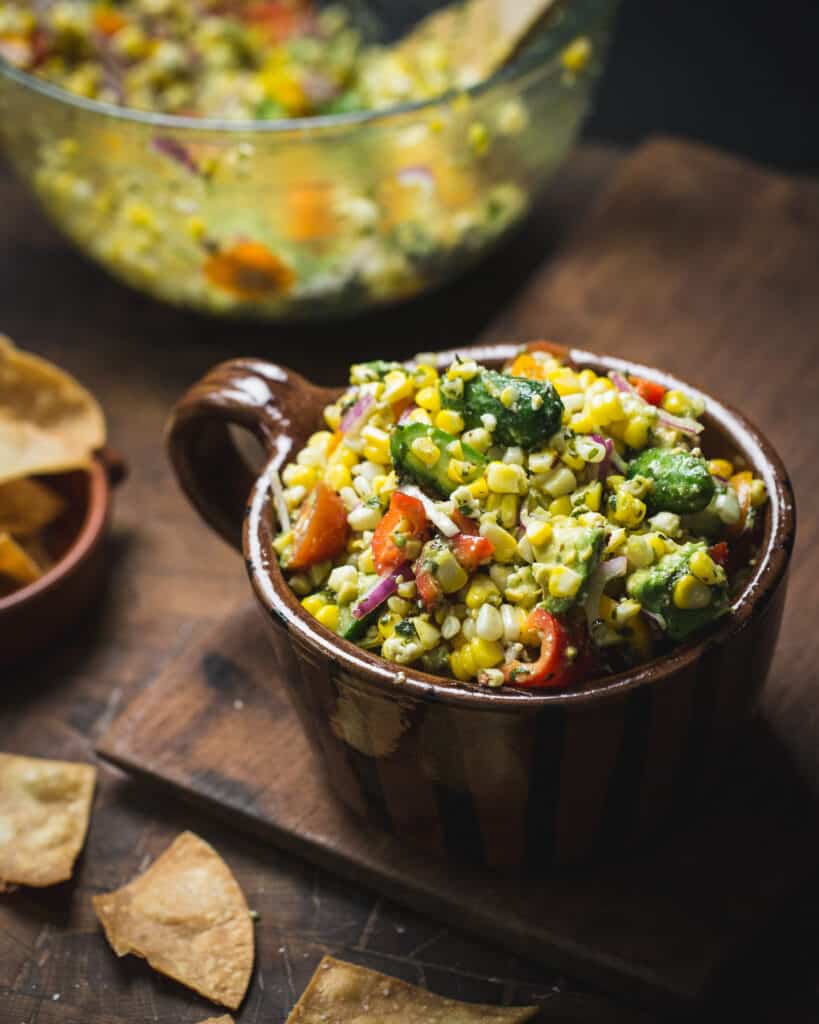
<point>385,588</point>
<point>353,419</point>
<point>175,151</point>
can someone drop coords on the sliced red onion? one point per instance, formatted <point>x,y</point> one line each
<point>684,424</point>
<point>174,150</point>
<point>610,570</point>
<point>385,588</point>
<point>405,415</point>
<point>439,519</point>
<point>353,420</point>
<point>620,382</point>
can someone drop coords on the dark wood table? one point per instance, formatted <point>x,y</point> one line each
<point>168,575</point>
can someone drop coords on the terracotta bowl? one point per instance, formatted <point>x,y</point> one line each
<point>499,778</point>
<point>33,617</point>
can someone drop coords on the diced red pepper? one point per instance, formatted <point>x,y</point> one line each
<point>719,553</point>
<point>553,667</point>
<point>464,523</point>
<point>472,551</point>
<point>321,530</point>
<point>429,591</point>
<point>404,520</point>
<point>648,390</point>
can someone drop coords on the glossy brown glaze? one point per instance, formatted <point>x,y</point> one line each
<point>34,615</point>
<point>507,777</point>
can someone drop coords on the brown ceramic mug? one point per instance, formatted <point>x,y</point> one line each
<point>497,778</point>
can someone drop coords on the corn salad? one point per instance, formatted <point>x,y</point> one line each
<point>532,527</point>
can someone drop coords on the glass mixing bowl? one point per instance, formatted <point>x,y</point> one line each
<point>311,217</point>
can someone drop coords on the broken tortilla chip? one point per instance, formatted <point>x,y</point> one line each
<point>44,811</point>
<point>217,1020</point>
<point>49,423</point>
<point>342,993</point>
<point>27,506</point>
<point>187,916</point>
<point>16,563</point>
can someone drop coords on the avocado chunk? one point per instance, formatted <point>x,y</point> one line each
<point>574,547</point>
<point>437,476</point>
<point>351,628</point>
<point>533,415</point>
<point>654,586</point>
<point>681,482</point>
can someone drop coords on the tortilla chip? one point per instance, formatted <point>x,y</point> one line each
<point>218,1020</point>
<point>188,918</point>
<point>44,811</point>
<point>49,423</point>
<point>16,563</point>
<point>27,506</point>
<point>342,993</point>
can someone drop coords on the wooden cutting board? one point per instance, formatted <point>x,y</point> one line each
<point>706,266</point>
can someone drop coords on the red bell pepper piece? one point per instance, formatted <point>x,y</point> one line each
<point>553,667</point>
<point>429,591</point>
<point>648,390</point>
<point>472,551</point>
<point>404,520</point>
<point>719,553</point>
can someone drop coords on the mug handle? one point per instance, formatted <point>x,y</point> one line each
<point>279,407</point>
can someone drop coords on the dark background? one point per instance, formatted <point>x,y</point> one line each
<point>740,74</point>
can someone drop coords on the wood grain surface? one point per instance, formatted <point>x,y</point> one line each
<point>169,578</point>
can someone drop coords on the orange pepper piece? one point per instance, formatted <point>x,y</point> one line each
<point>249,270</point>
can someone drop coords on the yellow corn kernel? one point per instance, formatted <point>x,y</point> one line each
<point>581,423</point>
<point>629,511</point>
<point>486,653</point>
<point>639,635</point>
<point>676,402</point>
<point>508,397</point>
<point>636,432</point>
<point>343,456</point>
<point>574,462</point>
<point>376,445</point>
<point>283,542</point>
<point>721,467</point>
<point>425,376</point>
<point>462,663</point>
<point>332,417</point>
<point>387,623</point>
<point>426,450</point>
<point>429,398</point>
<point>577,55</point>
<point>450,421</point>
<point>604,407</point>
<point>593,497</point>
<point>366,562</point>
<point>539,532</point>
<point>705,568</point>
<point>328,616</point>
<point>320,440</point>
<point>565,381</point>
<point>608,607</point>
<point>197,229</point>
<point>338,476</point>
<point>509,510</point>
<point>657,545</point>
<point>295,475</point>
<point>482,591</point>
<point>397,385</point>
<point>561,506</point>
<point>314,603</point>
<point>690,593</point>
<point>564,582</point>
<point>419,416</point>
<point>759,493</point>
<point>615,481</point>
<point>504,543</point>
<point>458,470</point>
<point>586,378</point>
<point>479,488</point>
<point>505,479</point>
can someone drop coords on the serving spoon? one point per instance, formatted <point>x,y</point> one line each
<point>478,36</point>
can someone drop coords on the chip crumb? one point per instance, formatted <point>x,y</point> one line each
<point>45,807</point>
<point>187,916</point>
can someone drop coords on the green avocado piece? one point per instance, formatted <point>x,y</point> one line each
<point>681,482</point>
<point>653,587</point>
<point>578,548</point>
<point>532,418</point>
<point>351,628</point>
<point>435,477</point>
